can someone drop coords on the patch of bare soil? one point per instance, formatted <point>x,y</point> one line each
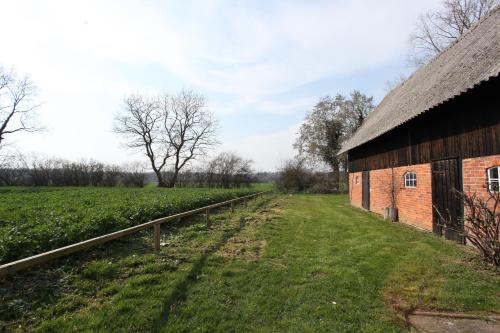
<point>400,309</point>
<point>453,323</point>
<point>242,248</point>
<point>246,245</point>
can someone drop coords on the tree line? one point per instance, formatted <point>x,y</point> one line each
<point>21,171</point>
<point>226,170</point>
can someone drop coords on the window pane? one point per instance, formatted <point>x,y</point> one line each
<point>494,173</point>
<point>493,179</point>
<point>410,179</point>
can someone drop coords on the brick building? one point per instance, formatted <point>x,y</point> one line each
<point>437,131</point>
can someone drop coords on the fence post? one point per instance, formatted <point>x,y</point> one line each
<point>156,236</point>
<point>232,206</point>
<point>207,217</point>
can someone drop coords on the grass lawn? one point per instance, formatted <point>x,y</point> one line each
<point>302,263</point>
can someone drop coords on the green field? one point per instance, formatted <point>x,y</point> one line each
<point>301,263</point>
<point>34,220</point>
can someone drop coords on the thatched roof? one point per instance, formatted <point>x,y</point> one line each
<point>472,59</point>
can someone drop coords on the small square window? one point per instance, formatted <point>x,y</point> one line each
<point>410,179</point>
<point>494,179</point>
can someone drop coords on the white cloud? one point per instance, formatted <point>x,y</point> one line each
<point>268,151</point>
<point>82,54</point>
<point>254,53</point>
<point>236,49</point>
<point>285,107</point>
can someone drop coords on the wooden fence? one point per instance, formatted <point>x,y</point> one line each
<point>155,224</point>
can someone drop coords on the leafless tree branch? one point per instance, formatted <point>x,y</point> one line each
<point>480,225</point>
<point>177,128</point>
<point>17,105</point>
<point>437,30</point>
<point>190,128</point>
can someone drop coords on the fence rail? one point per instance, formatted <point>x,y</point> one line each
<point>155,224</point>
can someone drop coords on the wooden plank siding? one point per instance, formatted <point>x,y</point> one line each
<point>467,126</point>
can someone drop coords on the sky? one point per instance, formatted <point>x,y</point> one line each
<point>261,64</point>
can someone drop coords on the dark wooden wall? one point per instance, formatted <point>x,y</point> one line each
<point>466,126</point>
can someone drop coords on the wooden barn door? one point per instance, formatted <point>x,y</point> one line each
<point>445,203</point>
<point>366,190</point>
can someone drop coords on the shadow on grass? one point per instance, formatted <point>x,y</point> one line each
<point>181,290</point>
<point>23,292</point>
<point>44,285</point>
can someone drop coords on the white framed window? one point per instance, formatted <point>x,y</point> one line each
<point>410,178</point>
<point>494,179</point>
<point>357,179</point>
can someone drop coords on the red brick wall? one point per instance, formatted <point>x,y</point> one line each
<point>414,204</point>
<point>379,189</point>
<point>474,174</point>
<point>355,189</point>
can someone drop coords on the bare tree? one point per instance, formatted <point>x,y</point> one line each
<point>10,166</point>
<point>133,174</point>
<point>294,176</point>
<point>229,170</point>
<point>17,105</point>
<point>190,128</point>
<point>480,225</point>
<point>391,189</point>
<point>171,130</point>
<point>141,123</point>
<point>436,30</point>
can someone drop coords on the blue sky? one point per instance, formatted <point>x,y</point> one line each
<point>261,64</point>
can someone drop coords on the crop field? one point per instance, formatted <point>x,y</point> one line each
<point>34,220</point>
